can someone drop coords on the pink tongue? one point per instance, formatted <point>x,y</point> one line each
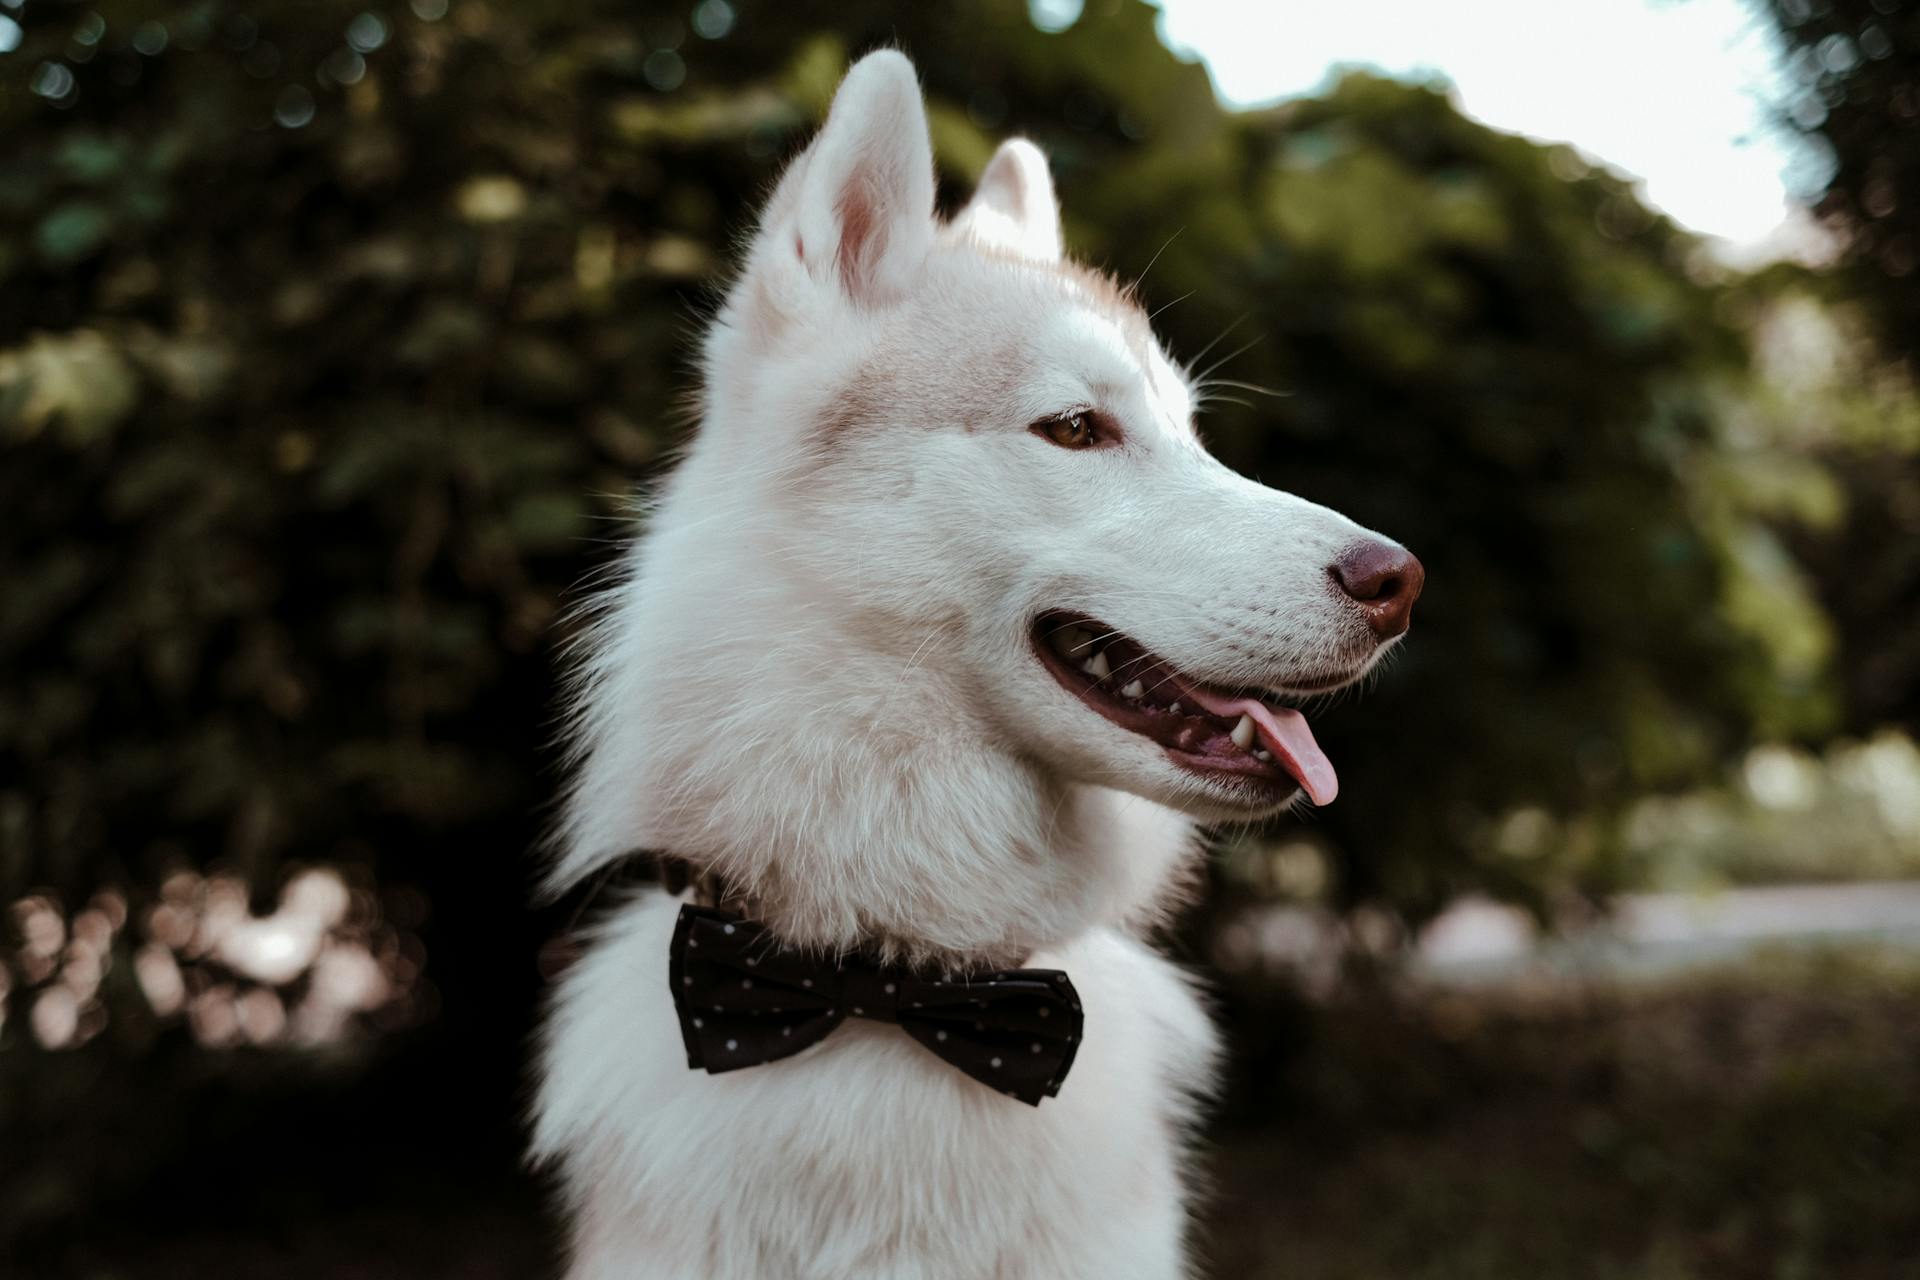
<point>1285,733</point>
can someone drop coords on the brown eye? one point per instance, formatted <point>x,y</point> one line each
<point>1071,431</point>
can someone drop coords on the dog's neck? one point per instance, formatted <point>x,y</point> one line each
<point>850,806</point>
<point>861,838</point>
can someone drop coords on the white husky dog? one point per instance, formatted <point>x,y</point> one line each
<point>940,641</point>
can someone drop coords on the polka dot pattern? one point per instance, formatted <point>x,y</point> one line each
<point>1014,1030</point>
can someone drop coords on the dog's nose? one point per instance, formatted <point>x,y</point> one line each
<point>1384,579</point>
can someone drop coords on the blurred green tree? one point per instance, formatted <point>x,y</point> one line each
<point>332,338</point>
<point>1854,68</point>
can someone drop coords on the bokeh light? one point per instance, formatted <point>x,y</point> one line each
<point>309,973</point>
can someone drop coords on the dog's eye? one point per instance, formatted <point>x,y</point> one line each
<point>1070,431</point>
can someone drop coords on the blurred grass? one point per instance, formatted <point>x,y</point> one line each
<point>1753,1122</point>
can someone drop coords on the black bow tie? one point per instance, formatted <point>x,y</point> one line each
<point>745,999</point>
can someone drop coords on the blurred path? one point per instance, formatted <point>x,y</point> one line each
<point>1657,934</point>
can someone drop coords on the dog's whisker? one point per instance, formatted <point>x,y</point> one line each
<point>1141,279</point>
<point>1255,387</point>
<point>1201,353</point>
<point>1234,354</point>
<point>1153,314</point>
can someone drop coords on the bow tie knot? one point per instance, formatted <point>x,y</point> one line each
<point>869,993</point>
<point>745,999</point>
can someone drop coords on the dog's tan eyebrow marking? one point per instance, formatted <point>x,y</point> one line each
<point>855,405</point>
<point>864,401</point>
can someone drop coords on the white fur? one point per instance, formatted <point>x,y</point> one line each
<point>816,678</point>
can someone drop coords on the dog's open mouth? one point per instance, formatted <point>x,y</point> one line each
<point>1224,734</point>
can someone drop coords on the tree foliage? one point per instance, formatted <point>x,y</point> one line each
<point>333,339</point>
<point>1855,67</point>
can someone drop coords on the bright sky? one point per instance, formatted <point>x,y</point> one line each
<point>1674,92</point>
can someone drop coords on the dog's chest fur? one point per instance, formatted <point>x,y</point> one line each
<point>866,1156</point>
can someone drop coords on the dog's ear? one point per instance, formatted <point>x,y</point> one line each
<point>856,209</point>
<point>1014,207</point>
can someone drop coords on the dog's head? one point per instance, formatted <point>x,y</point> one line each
<point>991,471</point>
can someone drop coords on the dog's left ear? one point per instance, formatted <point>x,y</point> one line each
<point>1014,208</point>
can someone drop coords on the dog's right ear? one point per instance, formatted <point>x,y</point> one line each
<point>855,212</point>
<point>1014,207</point>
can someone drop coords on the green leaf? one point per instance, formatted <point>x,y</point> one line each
<point>72,232</point>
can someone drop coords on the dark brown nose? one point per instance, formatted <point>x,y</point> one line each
<point>1384,579</point>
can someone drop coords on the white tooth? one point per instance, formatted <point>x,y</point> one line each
<point>1097,666</point>
<point>1175,708</point>
<point>1243,733</point>
<point>1133,690</point>
<point>1261,755</point>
